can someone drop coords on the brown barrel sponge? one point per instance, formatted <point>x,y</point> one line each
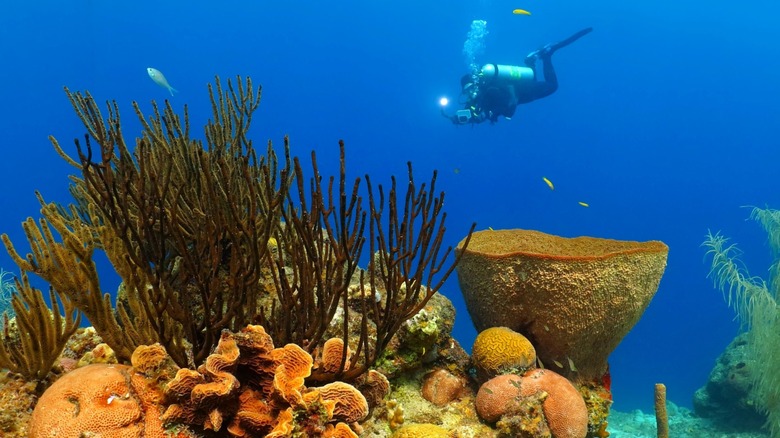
<point>573,298</point>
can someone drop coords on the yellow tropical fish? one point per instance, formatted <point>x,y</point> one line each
<point>584,204</point>
<point>521,12</point>
<point>548,182</point>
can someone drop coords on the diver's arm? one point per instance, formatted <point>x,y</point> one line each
<point>453,118</point>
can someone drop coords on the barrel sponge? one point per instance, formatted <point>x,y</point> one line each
<point>500,350</point>
<point>573,298</point>
<point>421,431</point>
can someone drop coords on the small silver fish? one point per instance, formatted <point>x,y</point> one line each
<point>159,79</point>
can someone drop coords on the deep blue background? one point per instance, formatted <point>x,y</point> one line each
<point>663,123</point>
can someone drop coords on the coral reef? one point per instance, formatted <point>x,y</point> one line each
<point>225,253</point>
<point>574,299</point>
<point>154,395</point>
<point>217,237</point>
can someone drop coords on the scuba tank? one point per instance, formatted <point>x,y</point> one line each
<point>510,74</point>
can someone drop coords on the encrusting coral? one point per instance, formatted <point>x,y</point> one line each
<point>574,299</point>
<point>421,431</point>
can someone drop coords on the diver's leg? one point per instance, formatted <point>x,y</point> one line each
<point>550,84</point>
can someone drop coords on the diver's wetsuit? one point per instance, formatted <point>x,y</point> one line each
<point>539,89</point>
<point>547,87</point>
<point>497,98</point>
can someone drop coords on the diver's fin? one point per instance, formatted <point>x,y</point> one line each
<point>549,49</point>
<point>555,46</point>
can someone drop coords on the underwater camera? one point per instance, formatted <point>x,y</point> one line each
<point>464,116</point>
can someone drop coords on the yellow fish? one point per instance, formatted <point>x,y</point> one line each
<point>549,183</point>
<point>584,204</point>
<point>521,12</point>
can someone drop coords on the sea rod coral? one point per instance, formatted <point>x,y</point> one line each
<point>212,236</point>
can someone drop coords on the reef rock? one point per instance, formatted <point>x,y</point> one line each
<point>573,298</point>
<point>727,398</point>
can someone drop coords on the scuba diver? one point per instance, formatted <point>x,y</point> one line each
<point>497,89</point>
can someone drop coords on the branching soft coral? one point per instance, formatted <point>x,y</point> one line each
<point>756,303</point>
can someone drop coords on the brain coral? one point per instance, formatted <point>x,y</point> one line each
<point>500,350</point>
<point>563,406</point>
<point>95,400</point>
<point>573,298</point>
<point>498,396</point>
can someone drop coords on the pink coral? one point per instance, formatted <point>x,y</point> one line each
<point>563,407</point>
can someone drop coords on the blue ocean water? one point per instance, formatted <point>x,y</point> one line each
<point>664,122</point>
